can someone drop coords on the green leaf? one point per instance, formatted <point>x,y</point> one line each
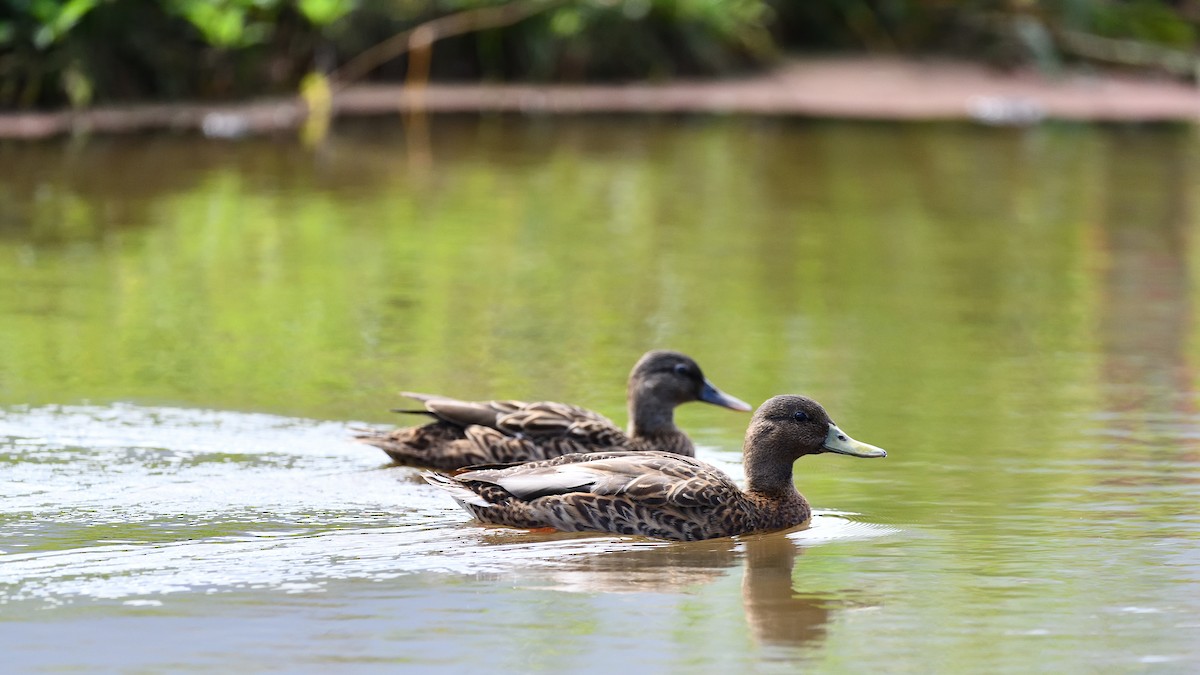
<point>57,19</point>
<point>71,13</point>
<point>566,22</point>
<point>324,12</point>
<point>227,23</point>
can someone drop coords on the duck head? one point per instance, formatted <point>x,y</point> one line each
<point>673,378</point>
<point>798,425</point>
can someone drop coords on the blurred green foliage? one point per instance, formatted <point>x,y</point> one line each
<point>81,51</point>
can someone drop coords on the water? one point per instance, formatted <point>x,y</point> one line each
<point>190,329</point>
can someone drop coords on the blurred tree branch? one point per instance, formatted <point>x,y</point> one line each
<point>419,39</point>
<point>1130,53</point>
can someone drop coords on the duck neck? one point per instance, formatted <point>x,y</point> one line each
<point>767,472</point>
<point>650,417</point>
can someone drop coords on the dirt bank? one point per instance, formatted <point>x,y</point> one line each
<point>854,87</point>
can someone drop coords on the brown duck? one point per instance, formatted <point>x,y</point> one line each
<point>656,494</point>
<point>466,433</point>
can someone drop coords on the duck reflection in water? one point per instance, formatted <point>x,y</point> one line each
<point>778,616</point>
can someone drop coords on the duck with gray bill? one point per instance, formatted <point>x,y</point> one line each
<point>661,495</point>
<point>465,433</point>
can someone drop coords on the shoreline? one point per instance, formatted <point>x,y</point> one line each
<point>866,88</point>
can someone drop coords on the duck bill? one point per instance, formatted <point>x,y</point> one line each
<point>710,394</point>
<point>840,442</point>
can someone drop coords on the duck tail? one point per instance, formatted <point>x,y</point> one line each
<point>461,493</point>
<point>369,436</point>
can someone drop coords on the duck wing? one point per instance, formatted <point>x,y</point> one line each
<point>464,433</point>
<point>539,421</point>
<point>545,420</point>
<point>465,413</point>
<point>648,478</point>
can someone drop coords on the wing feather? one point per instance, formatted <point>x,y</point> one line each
<point>541,420</point>
<point>651,478</point>
<point>545,419</point>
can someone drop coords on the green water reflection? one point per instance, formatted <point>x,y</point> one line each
<point>1008,312</point>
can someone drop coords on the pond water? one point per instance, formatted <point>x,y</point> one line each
<point>190,329</point>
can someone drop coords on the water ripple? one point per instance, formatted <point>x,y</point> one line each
<point>125,502</point>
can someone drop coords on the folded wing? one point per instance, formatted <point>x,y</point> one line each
<point>540,420</point>
<point>650,478</point>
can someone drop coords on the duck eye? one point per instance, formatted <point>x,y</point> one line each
<point>800,416</point>
<point>681,369</point>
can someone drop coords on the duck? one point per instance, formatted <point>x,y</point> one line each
<point>466,433</point>
<point>658,494</point>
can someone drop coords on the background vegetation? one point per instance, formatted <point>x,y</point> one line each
<point>56,52</point>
